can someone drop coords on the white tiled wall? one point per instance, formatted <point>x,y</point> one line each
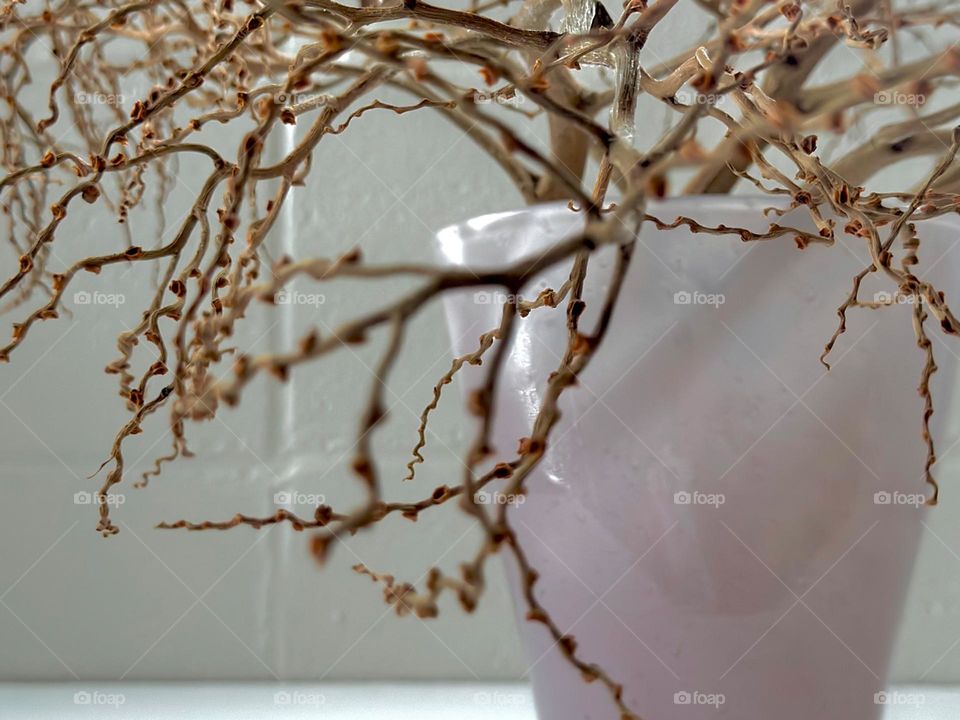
<point>149,604</point>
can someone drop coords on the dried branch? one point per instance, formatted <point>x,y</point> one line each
<point>326,65</point>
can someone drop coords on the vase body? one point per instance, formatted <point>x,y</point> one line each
<point>722,525</point>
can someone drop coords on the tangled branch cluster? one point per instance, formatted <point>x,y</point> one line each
<point>263,65</point>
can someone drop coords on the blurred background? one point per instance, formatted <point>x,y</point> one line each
<point>252,605</point>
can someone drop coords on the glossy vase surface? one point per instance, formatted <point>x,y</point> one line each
<point>724,526</point>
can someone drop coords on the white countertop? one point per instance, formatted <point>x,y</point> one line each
<point>338,701</point>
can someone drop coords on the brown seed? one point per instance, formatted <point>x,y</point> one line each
<point>90,194</point>
<point>352,256</point>
<point>241,367</point>
<point>331,41</point>
<point>309,342</point>
<point>539,84</point>
<point>657,186</point>
<point>736,43</point>
<point>588,674</point>
<point>361,466</point>
<point>138,112</point>
<point>354,337</point>
<point>582,344</point>
<point>529,446</point>
<point>279,371</point>
<point>490,75</point>
<point>418,68</point>
<point>386,44</point>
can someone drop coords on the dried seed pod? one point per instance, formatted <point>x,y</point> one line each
<point>386,44</point>
<point>791,11</point>
<point>490,74</point>
<point>308,342</point>
<point>331,40</point>
<point>657,186</point>
<point>90,194</point>
<point>529,446</point>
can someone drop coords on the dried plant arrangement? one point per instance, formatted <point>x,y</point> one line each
<point>581,69</point>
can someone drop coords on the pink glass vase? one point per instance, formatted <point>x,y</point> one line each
<point>724,526</point>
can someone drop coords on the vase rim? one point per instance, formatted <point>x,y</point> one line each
<point>701,202</point>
